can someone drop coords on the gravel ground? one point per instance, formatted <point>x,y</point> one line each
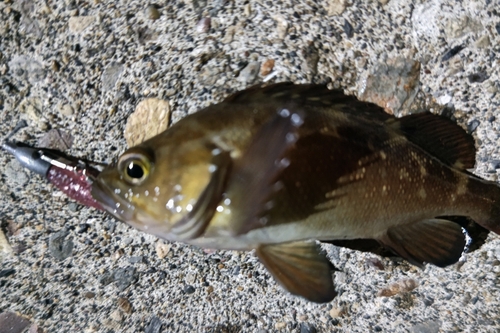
<point>81,67</point>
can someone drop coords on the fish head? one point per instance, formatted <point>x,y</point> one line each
<point>157,187</point>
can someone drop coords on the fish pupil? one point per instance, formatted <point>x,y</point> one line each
<point>135,171</point>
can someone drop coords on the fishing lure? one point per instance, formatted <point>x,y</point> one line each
<point>73,176</point>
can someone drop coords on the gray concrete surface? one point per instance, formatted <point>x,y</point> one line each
<point>82,67</point>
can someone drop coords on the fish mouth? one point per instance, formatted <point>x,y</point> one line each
<point>112,203</point>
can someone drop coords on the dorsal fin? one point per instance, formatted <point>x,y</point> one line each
<point>440,137</point>
<point>308,94</point>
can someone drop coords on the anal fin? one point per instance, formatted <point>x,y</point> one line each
<point>435,241</point>
<point>301,268</point>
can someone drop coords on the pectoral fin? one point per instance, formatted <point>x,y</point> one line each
<point>436,241</point>
<point>301,268</point>
<point>254,179</point>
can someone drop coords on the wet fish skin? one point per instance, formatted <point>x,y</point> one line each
<point>278,168</point>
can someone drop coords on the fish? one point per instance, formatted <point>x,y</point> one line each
<point>279,169</point>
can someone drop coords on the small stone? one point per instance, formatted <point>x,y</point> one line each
<point>66,110</point>
<point>311,57</point>
<point>77,24</point>
<point>162,249</point>
<point>124,277</point>
<point>267,67</point>
<point>203,25</point>
<point>402,286</point>
<point>116,316</point>
<point>392,84</point>
<point>152,12</point>
<point>282,26</point>
<point>452,52</point>
<point>60,245</point>
<point>228,37</point>
<point>280,325</point>
<point>336,312</point>
<point>56,139</point>
<point>32,107</point>
<point>478,77</point>
<point>125,305</point>
<point>111,75</point>
<point>12,323</point>
<point>7,272</point>
<point>302,317</point>
<point>154,326</point>
<point>189,289</point>
<point>210,289</point>
<point>55,65</point>
<point>348,29</point>
<point>247,10</point>
<point>307,328</point>
<point>151,117</point>
<point>483,42</point>
<point>136,259</point>
<point>336,7</point>
<point>473,125</point>
<point>431,326</point>
<point>89,294</point>
<point>249,73</point>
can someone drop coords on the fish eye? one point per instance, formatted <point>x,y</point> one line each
<point>135,167</point>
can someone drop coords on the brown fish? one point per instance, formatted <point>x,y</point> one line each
<point>278,168</point>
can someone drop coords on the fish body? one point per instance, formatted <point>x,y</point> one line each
<point>278,168</point>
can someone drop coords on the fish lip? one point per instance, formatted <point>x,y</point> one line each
<point>103,194</point>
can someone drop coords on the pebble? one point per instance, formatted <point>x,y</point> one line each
<point>66,110</point>
<point>336,312</point>
<point>12,323</point>
<point>60,245</point>
<point>7,272</point>
<point>111,75</point>
<point>89,294</point>
<point>56,139</point>
<point>336,7</point>
<point>136,259</point>
<point>162,249</point>
<point>124,277</point>
<point>307,328</point>
<point>154,325</point>
<point>32,107</point>
<point>267,67</point>
<point>432,326</point>
<point>473,125</point>
<point>152,12</point>
<point>249,73</point>
<point>478,77</point>
<point>125,305</point>
<point>280,325</point>
<point>151,117</point>
<point>77,24</point>
<point>348,29</point>
<point>392,84</point>
<point>189,289</point>
<point>483,42</point>
<point>203,25</point>
<point>399,287</point>
<point>281,26</point>
<point>452,52</point>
